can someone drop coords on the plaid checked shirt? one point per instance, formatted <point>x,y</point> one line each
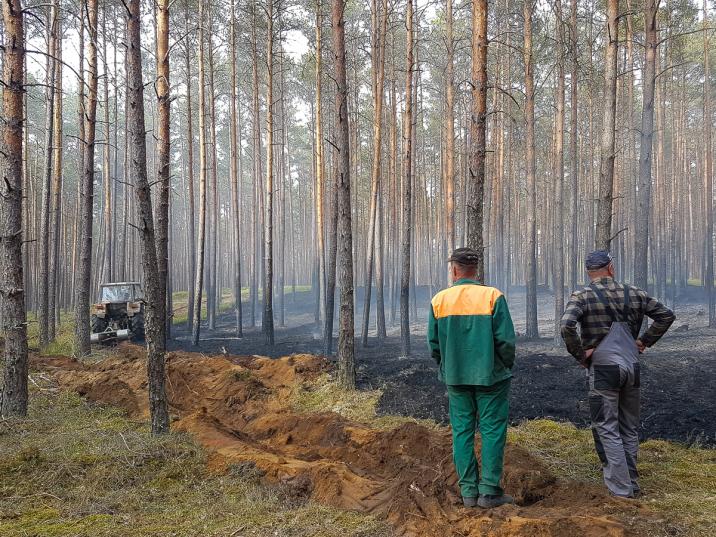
<point>585,309</point>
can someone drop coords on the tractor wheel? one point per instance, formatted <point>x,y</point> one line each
<point>98,324</point>
<point>136,325</point>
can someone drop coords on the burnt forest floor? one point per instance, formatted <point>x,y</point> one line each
<point>678,374</point>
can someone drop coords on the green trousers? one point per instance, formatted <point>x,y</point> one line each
<point>489,406</point>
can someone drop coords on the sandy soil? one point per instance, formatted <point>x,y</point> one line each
<point>678,400</point>
<point>238,407</point>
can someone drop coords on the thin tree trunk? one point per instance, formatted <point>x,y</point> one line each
<point>108,243</point>
<point>44,277</point>
<point>320,171</point>
<point>56,195</point>
<point>234,155</point>
<point>574,155</point>
<point>84,269</point>
<point>153,284</point>
<point>651,39</point>
<point>200,253</point>
<point>708,178</point>
<point>407,187</point>
<point>450,130</point>
<point>267,320</point>
<point>532,329</point>
<point>558,271</point>
<point>606,167</point>
<point>163,147</point>
<point>346,356</point>
<point>191,261</point>
<point>378,78</point>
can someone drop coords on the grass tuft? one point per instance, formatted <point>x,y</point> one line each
<point>326,395</point>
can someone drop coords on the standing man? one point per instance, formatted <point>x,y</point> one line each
<point>610,315</point>
<point>472,339</point>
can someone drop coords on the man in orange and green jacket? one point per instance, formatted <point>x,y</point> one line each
<point>471,337</point>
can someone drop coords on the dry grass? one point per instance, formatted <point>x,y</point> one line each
<point>81,470</point>
<point>325,395</point>
<point>678,481</point>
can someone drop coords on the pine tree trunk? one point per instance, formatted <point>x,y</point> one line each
<point>708,179</point>
<point>163,152</point>
<point>450,131</point>
<point>558,271</point>
<point>12,295</point>
<point>606,167</point>
<point>574,155</point>
<point>478,131</point>
<point>153,284</point>
<point>378,78</point>
<point>108,243</point>
<point>84,268</point>
<point>407,188</point>
<point>532,330</point>
<point>56,196</point>
<point>44,277</point>
<point>267,319</point>
<point>643,208</point>
<point>200,252</point>
<point>346,356</point>
<point>234,156</point>
<point>191,239</point>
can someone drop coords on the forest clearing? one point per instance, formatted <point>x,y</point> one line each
<point>368,268</point>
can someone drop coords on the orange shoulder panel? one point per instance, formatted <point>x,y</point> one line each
<point>465,300</point>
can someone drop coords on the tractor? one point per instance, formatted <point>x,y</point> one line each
<point>119,314</point>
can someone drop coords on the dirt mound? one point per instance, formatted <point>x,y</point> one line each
<point>238,408</point>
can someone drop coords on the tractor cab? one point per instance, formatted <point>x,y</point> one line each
<point>119,314</point>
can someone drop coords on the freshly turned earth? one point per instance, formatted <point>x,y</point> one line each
<point>238,407</point>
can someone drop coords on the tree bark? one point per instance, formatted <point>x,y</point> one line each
<point>606,166</point>
<point>346,356</point>
<point>199,277</point>
<point>84,267</point>
<point>13,401</point>
<point>378,78</point>
<point>44,276</point>
<point>407,187</point>
<point>478,131</point>
<point>532,329</point>
<point>234,156</point>
<point>190,225</point>
<point>574,155</point>
<point>450,131</point>
<point>163,155</point>
<point>267,320</point>
<point>155,306</point>
<point>558,277</point>
<point>320,172</point>
<point>708,178</point>
<point>643,209</point>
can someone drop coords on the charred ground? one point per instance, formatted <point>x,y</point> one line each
<point>678,400</point>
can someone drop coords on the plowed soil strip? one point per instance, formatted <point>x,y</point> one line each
<point>238,408</point>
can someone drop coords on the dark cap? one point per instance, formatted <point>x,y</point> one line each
<point>465,256</point>
<point>598,259</point>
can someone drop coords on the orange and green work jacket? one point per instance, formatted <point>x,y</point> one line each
<point>471,335</point>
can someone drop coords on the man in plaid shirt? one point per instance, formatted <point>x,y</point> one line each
<point>610,316</point>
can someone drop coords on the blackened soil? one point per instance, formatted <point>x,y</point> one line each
<point>678,375</point>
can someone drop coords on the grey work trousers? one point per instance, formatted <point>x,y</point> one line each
<point>614,408</point>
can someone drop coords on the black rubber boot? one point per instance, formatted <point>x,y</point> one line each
<point>488,501</point>
<point>469,502</point>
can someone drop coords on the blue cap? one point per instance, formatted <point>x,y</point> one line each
<point>598,259</point>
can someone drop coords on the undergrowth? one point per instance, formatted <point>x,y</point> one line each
<point>74,469</point>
